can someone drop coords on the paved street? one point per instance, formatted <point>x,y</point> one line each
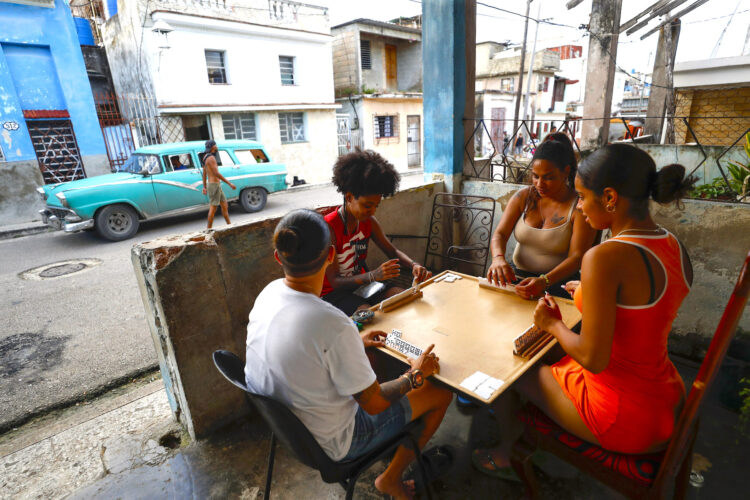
<point>63,337</point>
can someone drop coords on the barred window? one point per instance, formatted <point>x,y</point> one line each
<point>286,64</point>
<point>292,127</point>
<point>385,126</point>
<point>507,84</point>
<point>239,126</point>
<point>364,51</point>
<point>217,72</point>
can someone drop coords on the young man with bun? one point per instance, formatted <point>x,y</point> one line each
<point>308,355</point>
<point>364,178</point>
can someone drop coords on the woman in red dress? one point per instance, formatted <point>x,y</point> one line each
<point>616,386</point>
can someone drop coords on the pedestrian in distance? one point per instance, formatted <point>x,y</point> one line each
<point>212,180</point>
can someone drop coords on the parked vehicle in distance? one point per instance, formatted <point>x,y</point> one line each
<point>159,181</point>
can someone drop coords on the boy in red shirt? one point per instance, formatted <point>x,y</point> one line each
<point>364,178</point>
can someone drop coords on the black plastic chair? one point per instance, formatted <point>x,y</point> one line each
<point>291,432</point>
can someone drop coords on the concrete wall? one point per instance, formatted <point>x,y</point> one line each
<point>63,85</point>
<point>346,62</point>
<point>716,237</point>
<point>198,289</point>
<point>691,156</point>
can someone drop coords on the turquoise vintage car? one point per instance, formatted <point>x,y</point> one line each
<point>159,181</point>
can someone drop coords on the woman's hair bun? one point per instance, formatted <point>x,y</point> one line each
<point>670,184</point>
<point>287,241</point>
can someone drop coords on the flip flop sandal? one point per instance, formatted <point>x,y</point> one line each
<point>463,402</point>
<point>505,473</point>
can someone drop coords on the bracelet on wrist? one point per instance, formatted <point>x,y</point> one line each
<point>546,280</point>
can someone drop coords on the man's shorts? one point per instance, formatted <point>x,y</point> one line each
<point>215,194</point>
<point>370,431</point>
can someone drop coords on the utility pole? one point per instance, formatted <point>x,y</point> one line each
<point>531,63</point>
<point>661,98</point>
<point>520,73</point>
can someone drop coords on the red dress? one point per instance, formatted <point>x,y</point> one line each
<point>630,406</point>
<point>351,249</point>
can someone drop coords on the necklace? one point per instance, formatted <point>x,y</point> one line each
<point>657,230</point>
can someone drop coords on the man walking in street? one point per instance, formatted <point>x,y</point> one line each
<point>212,183</point>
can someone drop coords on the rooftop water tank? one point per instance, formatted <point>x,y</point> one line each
<point>111,8</point>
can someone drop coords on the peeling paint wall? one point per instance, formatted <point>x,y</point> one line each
<point>41,68</point>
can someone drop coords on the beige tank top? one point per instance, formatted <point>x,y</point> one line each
<point>541,250</point>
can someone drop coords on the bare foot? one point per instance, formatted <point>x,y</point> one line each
<point>397,489</point>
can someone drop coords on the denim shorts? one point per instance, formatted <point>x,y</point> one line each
<point>372,430</point>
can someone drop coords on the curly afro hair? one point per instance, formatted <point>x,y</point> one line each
<point>365,173</point>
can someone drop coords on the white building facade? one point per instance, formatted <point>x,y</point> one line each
<point>255,69</point>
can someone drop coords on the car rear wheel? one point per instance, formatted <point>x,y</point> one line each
<point>253,199</point>
<point>116,222</point>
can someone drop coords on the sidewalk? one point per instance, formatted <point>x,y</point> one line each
<point>127,446</point>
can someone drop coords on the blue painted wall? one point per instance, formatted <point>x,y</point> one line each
<point>443,42</point>
<point>41,67</point>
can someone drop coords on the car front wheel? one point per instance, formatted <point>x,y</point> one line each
<point>253,199</point>
<point>116,222</point>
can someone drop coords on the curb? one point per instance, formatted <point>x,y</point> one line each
<point>18,230</point>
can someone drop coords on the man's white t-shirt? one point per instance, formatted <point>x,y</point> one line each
<point>307,354</point>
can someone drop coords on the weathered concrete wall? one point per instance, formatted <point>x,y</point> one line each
<point>346,61</point>
<point>19,201</point>
<point>198,289</point>
<point>717,238</point>
<point>691,156</point>
<point>394,149</point>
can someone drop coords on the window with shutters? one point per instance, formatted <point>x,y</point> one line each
<point>216,66</point>
<point>239,126</point>
<point>385,127</point>
<point>364,51</point>
<point>507,84</point>
<point>286,65</point>
<point>292,127</point>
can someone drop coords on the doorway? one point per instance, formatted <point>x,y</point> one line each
<point>391,67</point>
<point>56,149</point>
<point>197,127</point>
<point>413,141</point>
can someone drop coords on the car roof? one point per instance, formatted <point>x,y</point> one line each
<point>170,147</point>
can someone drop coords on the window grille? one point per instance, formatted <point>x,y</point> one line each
<point>385,126</point>
<point>507,84</point>
<point>292,127</point>
<point>286,64</point>
<point>364,51</point>
<point>217,72</point>
<point>239,126</point>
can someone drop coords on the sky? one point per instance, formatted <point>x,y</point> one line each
<point>700,31</point>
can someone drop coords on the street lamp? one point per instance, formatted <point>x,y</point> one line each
<point>162,28</point>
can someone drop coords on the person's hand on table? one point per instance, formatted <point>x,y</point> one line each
<point>500,272</point>
<point>373,338</point>
<point>387,270</point>
<point>571,286</point>
<point>420,273</point>
<point>531,288</point>
<point>427,362</point>
<point>547,313</point>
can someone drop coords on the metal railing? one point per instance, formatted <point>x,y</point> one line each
<point>491,158</point>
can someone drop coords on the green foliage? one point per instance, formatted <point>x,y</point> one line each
<point>716,190</point>
<point>739,180</point>
<point>743,424</point>
<point>367,90</point>
<point>346,91</point>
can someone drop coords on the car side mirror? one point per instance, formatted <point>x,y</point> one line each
<point>144,172</point>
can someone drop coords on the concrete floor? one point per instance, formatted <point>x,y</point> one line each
<point>127,446</point>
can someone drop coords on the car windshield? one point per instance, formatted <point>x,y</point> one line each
<point>139,162</point>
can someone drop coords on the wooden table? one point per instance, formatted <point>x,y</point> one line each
<point>472,327</point>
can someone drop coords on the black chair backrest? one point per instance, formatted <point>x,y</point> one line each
<point>283,423</point>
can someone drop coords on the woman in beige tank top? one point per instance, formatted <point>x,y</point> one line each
<point>551,235</point>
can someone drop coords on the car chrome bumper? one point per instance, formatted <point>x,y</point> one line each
<point>70,223</point>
